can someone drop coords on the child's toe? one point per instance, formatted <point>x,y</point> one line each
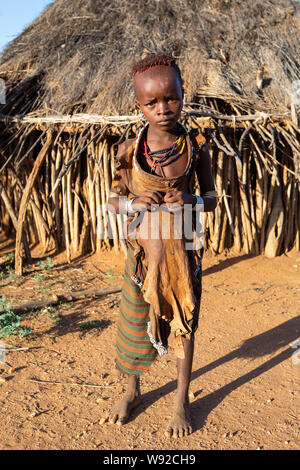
<point>103,420</point>
<point>113,419</point>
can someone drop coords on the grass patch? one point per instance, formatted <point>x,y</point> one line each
<point>10,322</point>
<point>112,276</point>
<point>46,265</point>
<point>91,324</point>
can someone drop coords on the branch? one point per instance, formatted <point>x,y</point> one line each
<point>72,296</point>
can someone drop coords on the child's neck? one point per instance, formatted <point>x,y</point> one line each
<point>161,137</point>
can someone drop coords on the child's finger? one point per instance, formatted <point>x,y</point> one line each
<point>174,207</point>
<point>147,202</point>
<point>154,195</point>
<point>172,197</point>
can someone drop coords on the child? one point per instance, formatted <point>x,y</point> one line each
<point>162,280</point>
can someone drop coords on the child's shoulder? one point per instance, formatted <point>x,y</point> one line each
<point>123,159</point>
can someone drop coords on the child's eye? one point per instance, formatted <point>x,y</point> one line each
<point>151,103</point>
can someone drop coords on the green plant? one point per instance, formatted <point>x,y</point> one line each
<point>10,257</point>
<point>55,316</point>
<point>112,275</point>
<point>39,278</point>
<point>48,264</point>
<point>88,325</point>
<point>11,274</point>
<point>10,322</point>
<point>67,305</point>
<point>45,290</point>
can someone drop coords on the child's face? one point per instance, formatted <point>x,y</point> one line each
<point>159,96</point>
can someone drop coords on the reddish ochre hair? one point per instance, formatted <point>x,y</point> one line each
<point>153,60</point>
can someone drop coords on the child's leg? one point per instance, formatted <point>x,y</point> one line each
<point>121,410</point>
<point>180,424</point>
<point>135,352</point>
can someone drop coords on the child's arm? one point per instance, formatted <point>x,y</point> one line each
<point>205,179</point>
<point>119,191</point>
<point>206,182</point>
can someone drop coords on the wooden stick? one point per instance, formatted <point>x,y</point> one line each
<point>275,225</point>
<point>40,222</point>
<point>228,213</point>
<point>245,212</point>
<point>107,183</point>
<point>123,120</point>
<point>31,148</point>
<point>119,217</point>
<point>253,224</point>
<point>99,208</point>
<point>290,210</point>
<point>76,209</point>
<point>12,349</point>
<point>69,179</point>
<point>65,208</point>
<point>56,195</point>
<point>91,185</point>
<point>72,296</point>
<point>25,200</point>
<point>48,382</point>
<point>103,200</point>
<point>222,236</point>
<point>14,220</point>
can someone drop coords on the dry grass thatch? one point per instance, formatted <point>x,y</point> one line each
<point>77,56</point>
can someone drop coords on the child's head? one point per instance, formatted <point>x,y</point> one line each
<point>158,88</point>
<point>155,60</point>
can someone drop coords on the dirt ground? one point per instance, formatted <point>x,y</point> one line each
<point>245,379</point>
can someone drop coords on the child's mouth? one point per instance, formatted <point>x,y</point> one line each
<point>166,121</point>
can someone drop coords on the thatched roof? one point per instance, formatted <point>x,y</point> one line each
<point>77,56</point>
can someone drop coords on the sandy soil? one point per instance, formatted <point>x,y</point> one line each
<point>245,379</point>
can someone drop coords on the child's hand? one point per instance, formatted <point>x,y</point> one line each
<point>146,200</point>
<point>176,200</point>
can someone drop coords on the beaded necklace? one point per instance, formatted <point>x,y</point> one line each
<point>175,150</point>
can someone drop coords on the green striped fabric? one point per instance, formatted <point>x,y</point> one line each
<point>134,351</point>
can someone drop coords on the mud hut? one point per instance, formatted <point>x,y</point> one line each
<point>69,101</point>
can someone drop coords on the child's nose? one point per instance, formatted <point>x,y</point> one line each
<point>163,107</point>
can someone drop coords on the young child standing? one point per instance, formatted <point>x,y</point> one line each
<point>162,280</point>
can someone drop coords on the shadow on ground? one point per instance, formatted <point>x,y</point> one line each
<point>264,344</point>
<point>74,319</point>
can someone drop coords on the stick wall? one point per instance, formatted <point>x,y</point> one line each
<point>255,166</point>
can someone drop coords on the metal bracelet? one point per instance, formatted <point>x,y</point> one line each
<point>128,206</point>
<point>199,201</point>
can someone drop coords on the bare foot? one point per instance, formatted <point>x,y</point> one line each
<point>120,412</point>
<point>180,424</point>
